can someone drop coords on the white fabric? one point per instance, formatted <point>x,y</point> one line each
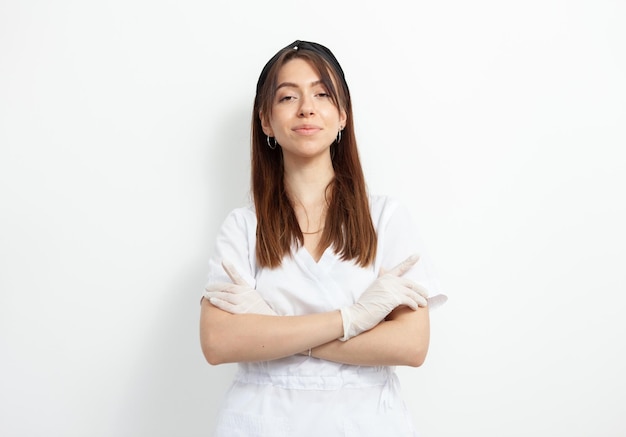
<point>306,396</point>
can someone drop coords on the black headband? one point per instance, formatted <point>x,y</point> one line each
<point>324,52</point>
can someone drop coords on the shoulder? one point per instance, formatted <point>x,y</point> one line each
<point>391,216</point>
<point>379,202</point>
<point>383,207</point>
<point>236,239</point>
<point>241,219</point>
<point>242,213</point>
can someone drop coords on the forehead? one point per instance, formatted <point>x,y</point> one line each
<point>298,71</point>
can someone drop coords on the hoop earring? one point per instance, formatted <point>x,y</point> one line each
<point>269,144</point>
<point>339,136</point>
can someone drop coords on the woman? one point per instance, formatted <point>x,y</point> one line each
<point>315,290</point>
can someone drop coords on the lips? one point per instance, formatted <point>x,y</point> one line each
<point>306,129</point>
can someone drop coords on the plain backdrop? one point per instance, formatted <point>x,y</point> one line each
<point>124,142</point>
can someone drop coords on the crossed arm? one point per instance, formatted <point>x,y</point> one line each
<point>227,338</point>
<point>401,339</point>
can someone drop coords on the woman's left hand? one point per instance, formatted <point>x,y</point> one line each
<point>238,297</point>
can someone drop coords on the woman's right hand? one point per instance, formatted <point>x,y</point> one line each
<point>238,297</point>
<point>389,291</point>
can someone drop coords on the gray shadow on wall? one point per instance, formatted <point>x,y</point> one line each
<point>174,391</point>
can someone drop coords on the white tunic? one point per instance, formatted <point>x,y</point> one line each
<point>306,396</point>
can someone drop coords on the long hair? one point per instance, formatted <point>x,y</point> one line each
<point>348,227</point>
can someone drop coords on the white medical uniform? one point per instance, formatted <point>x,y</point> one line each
<point>306,396</point>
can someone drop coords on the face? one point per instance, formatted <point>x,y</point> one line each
<point>304,119</point>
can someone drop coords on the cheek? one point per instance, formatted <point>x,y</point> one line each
<point>271,125</point>
<point>278,119</point>
<point>332,115</point>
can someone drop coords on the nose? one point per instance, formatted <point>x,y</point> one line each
<point>307,106</point>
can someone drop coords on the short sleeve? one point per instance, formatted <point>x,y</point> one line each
<point>399,238</point>
<point>235,242</point>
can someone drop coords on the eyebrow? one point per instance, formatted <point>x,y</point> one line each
<point>293,85</point>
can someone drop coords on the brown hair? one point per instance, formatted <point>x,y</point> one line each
<point>348,227</point>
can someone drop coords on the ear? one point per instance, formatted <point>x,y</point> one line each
<point>343,117</point>
<point>265,125</point>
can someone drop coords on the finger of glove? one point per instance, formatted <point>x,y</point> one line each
<point>404,266</point>
<point>409,301</point>
<point>413,299</point>
<point>234,299</point>
<point>225,306</point>
<point>226,287</point>
<point>390,283</point>
<point>406,282</point>
<point>232,273</point>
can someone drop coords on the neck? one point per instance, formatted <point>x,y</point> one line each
<point>307,184</point>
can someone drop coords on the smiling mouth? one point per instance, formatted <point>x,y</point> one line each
<point>307,130</point>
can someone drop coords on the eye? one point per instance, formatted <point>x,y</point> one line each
<point>286,99</point>
<point>323,94</point>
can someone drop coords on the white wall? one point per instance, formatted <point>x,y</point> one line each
<point>124,129</point>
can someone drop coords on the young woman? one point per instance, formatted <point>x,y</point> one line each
<point>317,289</point>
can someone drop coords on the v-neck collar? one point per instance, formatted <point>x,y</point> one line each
<point>326,261</point>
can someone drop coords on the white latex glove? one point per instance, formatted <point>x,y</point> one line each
<point>238,297</point>
<point>389,291</point>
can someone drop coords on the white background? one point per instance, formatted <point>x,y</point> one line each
<point>124,139</point>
